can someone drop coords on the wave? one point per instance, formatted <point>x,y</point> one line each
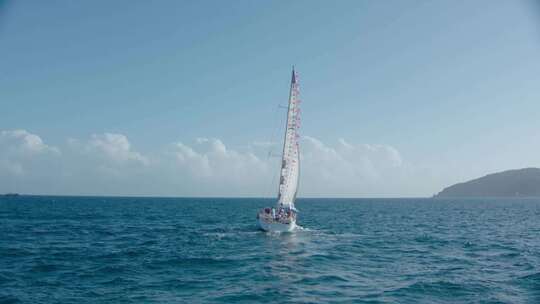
<point>530,282</point>
<point>321,279</point>
<point>439,289</point>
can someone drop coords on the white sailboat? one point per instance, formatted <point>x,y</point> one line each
<point>282,217</point>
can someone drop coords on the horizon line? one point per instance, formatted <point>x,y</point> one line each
<point>261,197</point>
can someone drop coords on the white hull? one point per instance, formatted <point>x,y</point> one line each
<point>276,226</point>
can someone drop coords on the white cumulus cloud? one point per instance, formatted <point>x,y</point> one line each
<point>115,147</point>
<point>108,164</point>
<point>22,141</point>
<point>346,169</point>
<point>21,150</point>
<point>25,159</point>
<point>209,164</point>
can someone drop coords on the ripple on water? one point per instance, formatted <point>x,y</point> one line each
<point>531,285</point>
<point>442,290</point>
<point>131,250</point>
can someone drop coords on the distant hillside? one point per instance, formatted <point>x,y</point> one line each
<point>520,182</point>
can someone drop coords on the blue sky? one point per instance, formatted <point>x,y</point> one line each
<point>450,86</point>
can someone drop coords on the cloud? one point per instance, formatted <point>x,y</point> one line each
<point>347,169</point>
<point>108,164</point>
<point>210,164</point>
<point>114,147</point>
<point>21,152</point>
<point>197,164</point>
<point>21,141</point>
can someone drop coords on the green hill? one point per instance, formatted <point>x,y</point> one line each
<point>511,183</point>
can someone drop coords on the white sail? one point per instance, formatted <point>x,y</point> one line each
<point>290,162</point>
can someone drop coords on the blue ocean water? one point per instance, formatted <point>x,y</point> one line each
<point>190,250</point>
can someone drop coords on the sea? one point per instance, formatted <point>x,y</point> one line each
<point>209,250</point>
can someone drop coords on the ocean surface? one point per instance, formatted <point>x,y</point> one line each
<point>191,250</point>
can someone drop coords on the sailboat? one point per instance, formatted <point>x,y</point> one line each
<point>282,217</point>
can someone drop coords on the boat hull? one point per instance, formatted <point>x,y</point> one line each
<point>276,226</point>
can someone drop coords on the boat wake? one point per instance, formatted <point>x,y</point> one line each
<point>300,228</point>
<point>296,229</point>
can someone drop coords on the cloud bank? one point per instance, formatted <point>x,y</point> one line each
<point>108,164</point>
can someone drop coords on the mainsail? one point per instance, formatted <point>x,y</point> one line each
<point>290,162</point>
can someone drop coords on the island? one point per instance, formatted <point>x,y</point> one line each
<point>512,183</point>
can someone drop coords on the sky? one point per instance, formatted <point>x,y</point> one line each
<point>182,98</point>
